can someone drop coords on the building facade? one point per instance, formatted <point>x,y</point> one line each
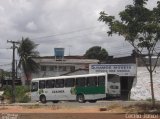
<point>69,65</point>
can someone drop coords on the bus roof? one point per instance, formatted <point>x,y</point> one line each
<point>72,76</point>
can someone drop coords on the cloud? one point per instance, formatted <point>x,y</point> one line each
<point>31,26</point>
<point>66,23</point>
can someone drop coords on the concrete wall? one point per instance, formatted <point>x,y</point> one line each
<point>142,90</point>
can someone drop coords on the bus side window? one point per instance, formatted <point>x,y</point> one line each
<point>80,82</point>
<point>92,81</point>
<point>34,86</point>
<point>101,80</point>
<point>59,83</point>
<point>41,84</point>
<point>69,82</point>
<point>50,83</point>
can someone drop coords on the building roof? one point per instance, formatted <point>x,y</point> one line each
<point>66,60</point>
<point>65,57</point>
<point>75,71</point>
<point>121,60</point>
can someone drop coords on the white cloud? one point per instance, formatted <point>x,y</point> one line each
<point>36,18</point>
<point>1,9</point>
<point>31,26</point>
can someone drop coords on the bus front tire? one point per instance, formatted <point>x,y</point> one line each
<point>43,98</point>
<point>80,98</point>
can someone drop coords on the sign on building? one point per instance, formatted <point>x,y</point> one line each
<point>119,69</point>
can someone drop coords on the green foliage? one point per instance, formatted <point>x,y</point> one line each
<point>137,22</point>
<point>21,93</point>
<point>5,73</point>
<point>149,99</point>
<point>140,26</point>
<point>24,99</point>
<point>7,92</point>
<point>96,52</point>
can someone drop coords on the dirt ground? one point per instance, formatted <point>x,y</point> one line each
<point>59,112</point>
<point>54,109</point>
<point>54,112</point>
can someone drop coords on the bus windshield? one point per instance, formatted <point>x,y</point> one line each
<point>34,86</point>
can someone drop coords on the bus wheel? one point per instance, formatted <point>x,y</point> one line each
<point>55,101</point>
<point>43,98</point>
<point>80,98</point>
<point>92,101</point>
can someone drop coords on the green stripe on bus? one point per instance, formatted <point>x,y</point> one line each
<point>90,90</point>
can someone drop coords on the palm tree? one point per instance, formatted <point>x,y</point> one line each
<point>27,52</point>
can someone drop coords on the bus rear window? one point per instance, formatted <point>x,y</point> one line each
<point>92,81</point>
<point>101,80</point>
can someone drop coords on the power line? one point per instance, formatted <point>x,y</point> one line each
<point>75,37</point>
<point>70,32</point>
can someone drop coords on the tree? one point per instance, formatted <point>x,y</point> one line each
<point>27,52</point>
<point>96,52</point>
<point>140,26</point>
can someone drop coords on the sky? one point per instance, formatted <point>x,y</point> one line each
<point>71,24</point>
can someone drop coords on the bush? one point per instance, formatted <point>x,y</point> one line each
<point>149,99</point>
<point>24,99</point>
<point>20,93</point>
<point>7,92</point>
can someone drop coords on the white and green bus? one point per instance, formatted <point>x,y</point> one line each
<point>88,87</point>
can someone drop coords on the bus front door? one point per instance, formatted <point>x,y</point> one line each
<point>34,91</point>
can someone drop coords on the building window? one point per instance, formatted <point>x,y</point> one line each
<point>64,68</point>
<point>43,68</point>
<point>55,68</point>
<point>51,68</point>
<point>60,68</point>
<point>72,68</point>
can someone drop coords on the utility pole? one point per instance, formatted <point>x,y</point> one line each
<point>13,69</point>
<point>16,69</point>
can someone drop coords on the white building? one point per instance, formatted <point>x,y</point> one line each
<point>69,65</point>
